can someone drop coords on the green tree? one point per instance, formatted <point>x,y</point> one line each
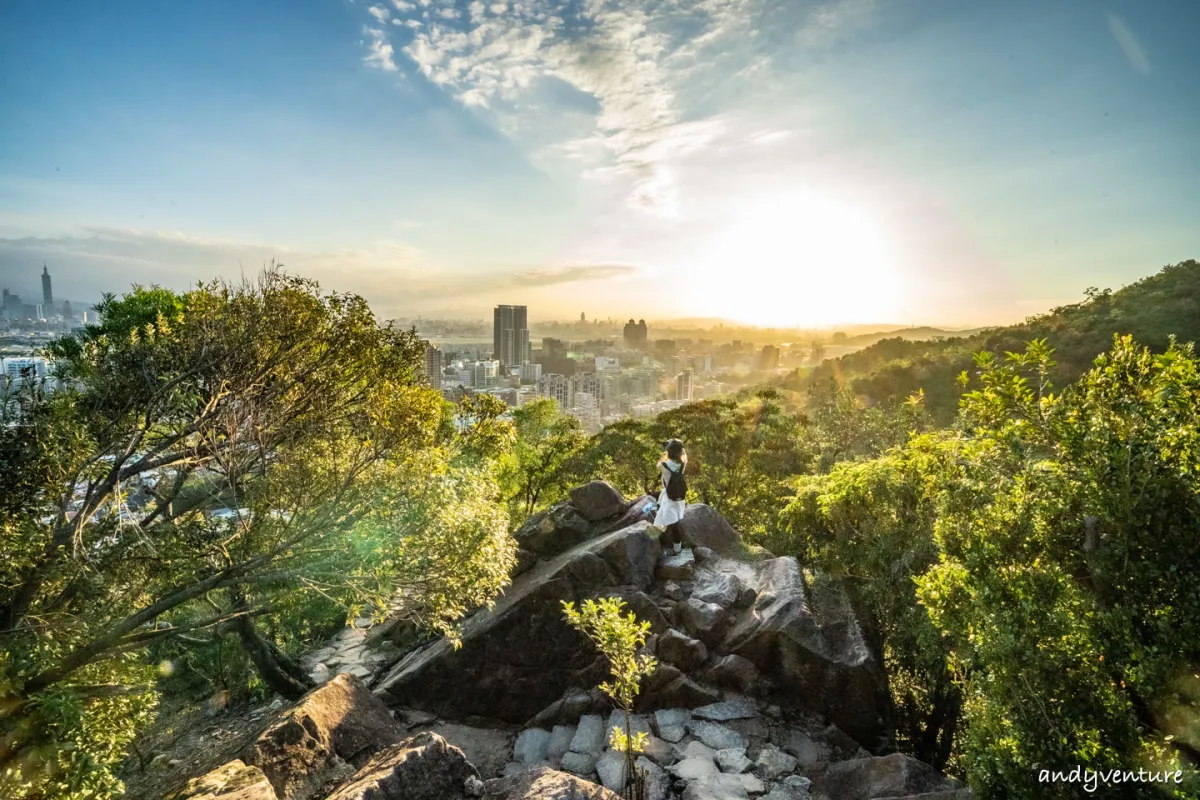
<point>293,410</point>
<point>547,442</point>
<point>622,639</point>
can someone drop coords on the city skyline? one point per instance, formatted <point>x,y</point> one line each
<point>812,164</point>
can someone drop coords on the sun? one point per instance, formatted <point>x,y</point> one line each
<point>798,259</point>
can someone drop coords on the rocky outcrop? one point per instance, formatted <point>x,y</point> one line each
<point>896,775</point>
<point>331,730</point>
<point>597,500</point>
<point>233,781</point>
<point>546,784</point>
<point>521,656</point>
<point>424,767</point>
<point>702,526</point>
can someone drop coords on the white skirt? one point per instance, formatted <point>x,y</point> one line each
<point>669,511</point>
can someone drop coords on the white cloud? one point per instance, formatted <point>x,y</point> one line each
<point>1129,44</point>
<point>379,13</point>
<point>379,52</point>
<point>402,6</point>
<point>649,71</point>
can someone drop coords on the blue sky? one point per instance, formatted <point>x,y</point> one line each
<point>807,163</point>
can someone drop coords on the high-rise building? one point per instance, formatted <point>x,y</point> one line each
<point>635,333</point>
<point>47,292</point>
<point>560,387</point>
<point>768,359</point>
<point>683,385</point>
<point>434,364</point>
<point>510,336</point>
<point>483,374</point>
<point>13,305</point>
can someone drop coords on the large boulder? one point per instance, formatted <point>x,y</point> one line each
<point>597,500</point>
<point>338,724</point>
<point>424,767</point>
<point>553,531</point>
<point>704,527</point>
<point>682,651</point>
<point>895,775</point>
<point>487,749</point>
<point>521,656</point>
<point>806,637</point>
<point>232,781</point>
<point>546,784</point>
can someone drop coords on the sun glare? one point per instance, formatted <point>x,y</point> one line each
<point>800,259</point>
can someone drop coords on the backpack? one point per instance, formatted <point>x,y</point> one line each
<point>676,485</point>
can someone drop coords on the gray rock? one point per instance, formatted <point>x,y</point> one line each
<point>542,783</point>
<point>732,672</point>
<point>716,787</point>
<point>805,636</point>
<point>473,787</point>
<point>694,749</point>
<point>553,531</point>
<point>733,760</point>
<point>425,765</point>
<point>487,748</point>
<point>692,769</point>
<point>677,567</point>
<point>590,736</point>
<point>721,588</point>
<point>682,651</point>
<point>794,787</point>
<point>673,718</point>
<point>581,764</point>
<point>231,781</point>
<point>752,784</point>
<point>658,783</point>
<point>673,591</point>
<point>611,769</point>
<point>703,527</point>
<point>531,747</point>
<point>773,763</point>
<point>739,708</point>
<point>659,751</point>
<point>706,621</point>
<point>638,723</point>
<point>560,741</point>
<point>667,687</point>
<point>896,775</point>
<point>718,737</point>
<point>597,500</point>
<point>320,673</point>
<point>807,751</point>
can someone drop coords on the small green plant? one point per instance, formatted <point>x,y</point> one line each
<point>619,637</point>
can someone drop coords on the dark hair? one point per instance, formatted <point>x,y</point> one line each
<point>674,449</point>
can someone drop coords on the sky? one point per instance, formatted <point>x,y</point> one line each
<point>803,163</point>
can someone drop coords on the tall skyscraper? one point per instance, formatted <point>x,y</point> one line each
<point>683,385</point>
<point>510,336</point>
<point>434,364</point>
<point>47,292</point>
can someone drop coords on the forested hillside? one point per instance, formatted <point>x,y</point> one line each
<point>1151,310</point>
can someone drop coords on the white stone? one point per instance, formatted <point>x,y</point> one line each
<point>693,768</point>
<point>589,736</point>
<point>611,769</point>
<point>773,763</point>
<point>637,724</point>
<point>560,741</point>
<point>362,622</point>
<point>726,710</point>
<point>659,751</point>
<point>716,787</point>
<point>718,737</point>
<point>531,746</point>
<point>320,674</point>
<point>671,723</point>
<point>733,760</point>
<point>694,749</point>
<point>658,783</point>
<point>581,764</point>
<point>752,784</point>
<point>359,671</point>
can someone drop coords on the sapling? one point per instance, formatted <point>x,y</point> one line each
<point>619,637</point>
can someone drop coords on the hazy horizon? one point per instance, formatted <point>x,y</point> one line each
<point>814,165</point>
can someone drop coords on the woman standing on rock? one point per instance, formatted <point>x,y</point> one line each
<point>672,500</point>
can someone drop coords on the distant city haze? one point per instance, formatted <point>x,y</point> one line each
<point>818,163</point>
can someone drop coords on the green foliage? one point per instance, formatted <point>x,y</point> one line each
<point>1152,310</point>
<point>622,639</point>
<point>293,408</point>
<point>1043,552</point>
<point>535,472</point>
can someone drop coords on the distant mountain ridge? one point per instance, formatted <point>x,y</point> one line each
<point>1152,310</point>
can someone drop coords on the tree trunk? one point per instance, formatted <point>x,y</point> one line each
<point>277,670</point>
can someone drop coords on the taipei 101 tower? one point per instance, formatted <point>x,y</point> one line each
<point>47,292</point>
